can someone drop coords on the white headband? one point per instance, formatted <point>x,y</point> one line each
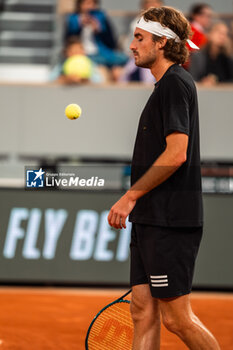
<point>159,30</point>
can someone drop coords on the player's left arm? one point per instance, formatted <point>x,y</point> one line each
<point>165,165</point>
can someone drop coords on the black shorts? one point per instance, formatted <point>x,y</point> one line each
<point>164,258</point>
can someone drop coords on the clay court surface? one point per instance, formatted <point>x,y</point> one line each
<point>57,319</point>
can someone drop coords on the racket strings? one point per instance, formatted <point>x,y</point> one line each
<point>113,329</point>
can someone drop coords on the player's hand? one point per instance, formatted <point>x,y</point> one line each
<point>120,210</point>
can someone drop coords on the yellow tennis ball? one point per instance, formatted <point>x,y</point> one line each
<point>79,66</point>
<point>73,111</point>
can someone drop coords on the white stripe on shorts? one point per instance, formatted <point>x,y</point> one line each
<point>160,285</point>
<point>164,276</point>
<point>159,281</point>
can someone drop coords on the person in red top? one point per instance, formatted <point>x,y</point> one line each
<point>200,19</point>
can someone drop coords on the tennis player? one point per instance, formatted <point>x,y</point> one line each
<point>165,201</point>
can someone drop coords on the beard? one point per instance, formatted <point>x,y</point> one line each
<point>146,61</point>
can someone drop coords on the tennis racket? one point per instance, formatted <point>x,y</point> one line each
<point>112,327</point>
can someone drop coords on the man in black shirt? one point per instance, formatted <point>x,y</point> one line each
<point>164,202</point>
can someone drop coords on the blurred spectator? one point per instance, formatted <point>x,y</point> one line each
<point>71,72</point>
<point>145,5</point>
<point>213,63</point>
<point>131,72</point>
<point>200,17</point>
<point>95,31</point>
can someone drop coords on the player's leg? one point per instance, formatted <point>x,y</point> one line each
<point>178,318</point>
<point>144,308</point>
<point>146,318</point>
<point>180,247</point>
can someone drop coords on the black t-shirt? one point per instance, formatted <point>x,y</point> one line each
<point>172,107</point>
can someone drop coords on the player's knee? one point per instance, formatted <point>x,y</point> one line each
<point>137,310</point>
<point>141,311</point>
<point>171,324</point>
<point>175,324</point>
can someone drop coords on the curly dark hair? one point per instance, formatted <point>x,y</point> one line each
<point>169,17</point>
